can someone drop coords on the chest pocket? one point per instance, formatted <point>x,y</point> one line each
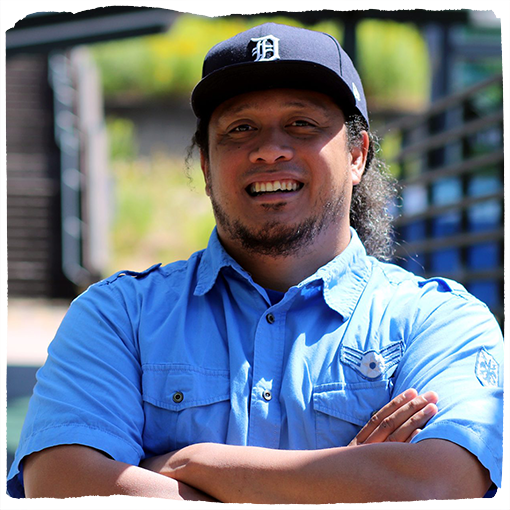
<point>184,404</point>
<point>341,410</point>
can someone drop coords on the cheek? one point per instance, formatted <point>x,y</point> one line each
<point>225,166</point>
<point>332,166</point>
<point>214,182</point>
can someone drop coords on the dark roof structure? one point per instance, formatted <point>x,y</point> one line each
<point>47,31</point>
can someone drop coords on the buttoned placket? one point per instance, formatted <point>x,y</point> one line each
<point>265,409</point>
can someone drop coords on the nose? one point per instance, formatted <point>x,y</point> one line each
<point>272,147</point>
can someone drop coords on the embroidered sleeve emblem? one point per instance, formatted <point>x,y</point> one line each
<point>486,368</point>
<point>372,364</point>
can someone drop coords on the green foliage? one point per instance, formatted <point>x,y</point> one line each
<point>393,64</point>
<point>121,139</point>
<point>160,216</point>
<point>169,63</point>
<point>390,146</point>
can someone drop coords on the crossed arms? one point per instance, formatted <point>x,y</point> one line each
<point>379,464</point>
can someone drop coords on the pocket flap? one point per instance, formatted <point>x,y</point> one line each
<point>178,386</point>
<point>354,403</point>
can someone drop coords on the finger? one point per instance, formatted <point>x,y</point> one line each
<point>415,423</point>
<point>413,435</point>
<point>383,413</point>
<point>391,424</point>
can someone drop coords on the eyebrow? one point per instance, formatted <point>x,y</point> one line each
<point>239,109</point>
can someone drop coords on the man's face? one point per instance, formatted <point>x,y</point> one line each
<point>279,172</point>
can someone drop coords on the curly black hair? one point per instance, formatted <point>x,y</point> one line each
<point>371,199</point>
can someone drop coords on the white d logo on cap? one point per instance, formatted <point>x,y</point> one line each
<point>266,48</point>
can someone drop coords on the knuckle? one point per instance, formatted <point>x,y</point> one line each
<point>417,416</point>
<point>396,403</point>
<point>388,423</point>
<point>401,399</point>
<point>375,419</point>
<point>415,405</point>
<point>414,421</point>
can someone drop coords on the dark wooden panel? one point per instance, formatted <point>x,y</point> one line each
<point>33,180</point>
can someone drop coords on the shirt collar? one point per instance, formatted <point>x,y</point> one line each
<point>344,277</point>
<point>213,260</point>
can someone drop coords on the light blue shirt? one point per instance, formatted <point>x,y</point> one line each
<point>145,363</point>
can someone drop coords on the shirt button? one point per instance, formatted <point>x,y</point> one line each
<point>266,395</point>
<point>178,397</point>
<point>270,318</point>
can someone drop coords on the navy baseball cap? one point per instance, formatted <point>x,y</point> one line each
<point>273,56</point>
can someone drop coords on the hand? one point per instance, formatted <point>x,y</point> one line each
<point>400,420</point>
<point>159,463</point>
<point>168,463</point>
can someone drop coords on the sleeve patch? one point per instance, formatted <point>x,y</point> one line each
<point>486,369</point>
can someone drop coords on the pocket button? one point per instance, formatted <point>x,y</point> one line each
<point>178,397</point>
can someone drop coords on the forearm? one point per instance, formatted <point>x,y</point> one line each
<point>74,470</point>
<point>375,472</point>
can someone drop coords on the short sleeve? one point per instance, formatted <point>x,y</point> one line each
<point>88,392</point>
<point>456,349</point>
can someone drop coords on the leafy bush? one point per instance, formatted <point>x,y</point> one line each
<point>160,215</point>
<point>394,65</point>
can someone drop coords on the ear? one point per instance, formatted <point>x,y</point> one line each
<point>359,158</point>
<point>204,165</point>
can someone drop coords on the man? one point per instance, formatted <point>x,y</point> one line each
<point>281,364</point>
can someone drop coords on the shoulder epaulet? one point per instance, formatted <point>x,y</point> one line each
<point>139,274</point>
<point>135,274</point>
<point>444,284</point>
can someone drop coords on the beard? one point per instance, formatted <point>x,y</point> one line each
<point>278,239</point>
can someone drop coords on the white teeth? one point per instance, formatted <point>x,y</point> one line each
<point>263,187</point>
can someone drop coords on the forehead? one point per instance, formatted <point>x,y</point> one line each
<point>266,101</point>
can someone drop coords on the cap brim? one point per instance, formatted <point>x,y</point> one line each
<point>231,81</point>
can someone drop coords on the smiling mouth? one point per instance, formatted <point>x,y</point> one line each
<point>283,186</point>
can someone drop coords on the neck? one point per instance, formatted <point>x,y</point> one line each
<point>282,272</point>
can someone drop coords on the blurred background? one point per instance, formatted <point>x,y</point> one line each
<point>98,124</point>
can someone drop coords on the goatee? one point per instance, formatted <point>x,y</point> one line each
<point>277,239</point>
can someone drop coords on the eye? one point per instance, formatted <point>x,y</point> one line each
<point>302,123</point>
<point>242,128</point>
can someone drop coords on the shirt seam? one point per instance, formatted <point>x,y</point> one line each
<point>418,325</point>
<point>74,424</point>
<point>463,427</point>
